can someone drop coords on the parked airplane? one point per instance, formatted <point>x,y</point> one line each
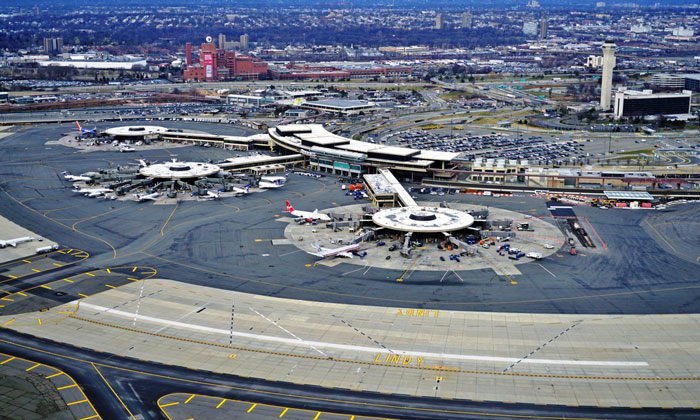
<point>213,194</point>
<point>15,242</point>
<point>343,251</point>
<point>274,178</point>
<point>85,130</point>
<point>91,192</point>
<point>74,178</point>
<point>241,191</point>
<point>308,215</point>
<point>267,184</point>
<point>141,198</point>
<point>126,148</point>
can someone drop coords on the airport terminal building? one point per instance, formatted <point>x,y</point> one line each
<point>338,155</point>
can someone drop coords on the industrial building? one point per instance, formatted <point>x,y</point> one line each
<point>631,103</point>
<point>220,64</point>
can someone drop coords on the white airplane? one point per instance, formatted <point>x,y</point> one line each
<point>126,148</point>
<point>75,178</point>
<point>274,178</point>
<point>91,192</point>
<point>213,194</point>
<point>343,251</point>
<point>14,242</point>
<point>308,215</point>
<point>267,184</point>
<point>141,198</point>
<point>241,191</point>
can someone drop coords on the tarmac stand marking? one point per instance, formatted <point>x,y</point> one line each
<point>417,312</point>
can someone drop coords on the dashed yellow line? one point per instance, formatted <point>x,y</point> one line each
<point>221,403</point>
<point>110,286</point>
<point>54,375</point>
<point>8,322</point>
<point>189,399</point>
<point>252,407</point>
<point>80,294</point>
<point>8,360</point>
<point>68,280</point>
<point>284,412</point>
<point>90,274</point>
<point>45,287</point>
<point>170,404</point>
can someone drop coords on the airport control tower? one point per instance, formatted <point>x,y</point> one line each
<point>608,66</point>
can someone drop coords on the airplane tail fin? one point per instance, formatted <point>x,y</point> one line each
<point>78,125</point>
<point>289,207</point>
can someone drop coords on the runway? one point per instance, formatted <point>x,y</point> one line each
<point>230,245</point>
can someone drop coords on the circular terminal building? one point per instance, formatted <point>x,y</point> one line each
<point>135,132</point>
<point>179,170</point>
<point>419,219</point>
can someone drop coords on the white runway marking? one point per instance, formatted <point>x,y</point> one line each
<point>357,269</point>
<point>291,252</point>
<point>373,350</point>
<point>546,269</point>
<point>287,331</point>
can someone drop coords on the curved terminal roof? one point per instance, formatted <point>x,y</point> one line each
<point>135,130</point>
<point>423,219</point>
<point>179,170</point>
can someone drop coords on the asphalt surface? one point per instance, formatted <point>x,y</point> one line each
<point>140,384</point>
<point>644,262</point>
<point>227,243</point>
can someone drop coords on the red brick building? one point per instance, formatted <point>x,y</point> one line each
<point>219,64</point>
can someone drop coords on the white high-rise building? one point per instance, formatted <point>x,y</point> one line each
<point>606,79</point>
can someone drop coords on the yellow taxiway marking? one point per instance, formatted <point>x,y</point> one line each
<point>132,279</point>
<point>7,360</point>
<point>90,274</point>
<point>8,322</point>
<point>69,281</point>
<point>189,399</point>
<point>318,414</point>
<point>108,271</point>
<point>113,391</point>
<point>35,270</point>
<point>251,407</point>
<point>11,276</point>
<point>61,388</point>
<point>80,294</point>
<point>22,294</point>
<point>91,417</point>
<point>32,367</point>
<point>7,299</point>
<point>54,375</point>
<point>284,412</point>
<point>221,403</point>
<point>170,404</point>
<point>110,286</point>
<point>38,321</point>
<point>27,261</point>
<point>258,240</point>
<point>58,265</point>
<point>134,269</point>
<point>76,402</point>
<point>45,286</point>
